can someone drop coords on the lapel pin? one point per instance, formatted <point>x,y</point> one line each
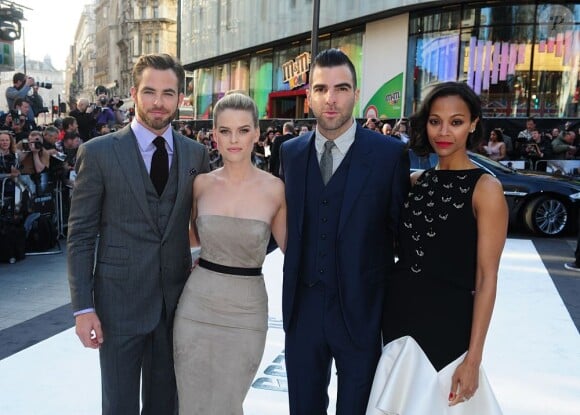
<point>192,172</point>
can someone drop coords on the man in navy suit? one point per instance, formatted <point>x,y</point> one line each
<point>344,188</point>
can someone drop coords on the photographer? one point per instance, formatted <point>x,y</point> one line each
<point>36,102</point>
<point>86,118</point>
<point>21,86</point>
<point>115,104</point>
<point>21,124</point>
<point>539,148</point>
<point>35,161</point>
<point>564,147</point>
<point>105,114</point>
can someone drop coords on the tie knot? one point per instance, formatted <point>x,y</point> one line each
<point>329,145</point>
<point>159,142</point>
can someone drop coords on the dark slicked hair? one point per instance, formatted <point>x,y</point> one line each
<point>419,140</point>
<point>334,57</point>
<point>160,61</point>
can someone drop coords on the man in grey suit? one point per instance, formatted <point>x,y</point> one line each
<point>128,242</point>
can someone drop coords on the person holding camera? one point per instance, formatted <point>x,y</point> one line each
<point>563,147</point>
<point>21,86</point>
<point>115,105</point>
<point>21,124</point>
<point>36,102</point>
<point>105,114</point>
<point>86,120</point>
<point>539,148</point>
<point>34,159</point>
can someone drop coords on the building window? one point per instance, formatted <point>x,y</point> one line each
<point>522,60</point>
<point>261,81</point>
<point>156,43</point>
<point>148,43</point>
<point>143,12</point>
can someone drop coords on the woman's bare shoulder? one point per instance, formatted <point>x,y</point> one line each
<point>204,180</point>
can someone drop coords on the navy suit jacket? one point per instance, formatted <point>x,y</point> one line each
<point>377,182</point>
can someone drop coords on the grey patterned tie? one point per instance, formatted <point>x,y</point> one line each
<point>326,161</point>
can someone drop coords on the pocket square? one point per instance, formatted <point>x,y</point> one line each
<point>192,172</point>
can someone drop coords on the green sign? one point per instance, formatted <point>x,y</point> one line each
<point>387,101</point>
<point>6,56</point>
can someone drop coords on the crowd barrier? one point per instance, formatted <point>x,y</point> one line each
<point>559,167</point>
<point>556,167</point>
<point>19,208</point>
<point>518,164</point>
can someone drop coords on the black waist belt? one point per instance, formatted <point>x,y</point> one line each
<point>212,266</point>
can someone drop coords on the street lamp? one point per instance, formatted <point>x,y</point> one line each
<point>315,24</point>
<point>10,26</point>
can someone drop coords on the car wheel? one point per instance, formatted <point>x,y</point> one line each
<point>546,216</point>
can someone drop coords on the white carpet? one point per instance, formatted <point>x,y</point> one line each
<point>532,356</point>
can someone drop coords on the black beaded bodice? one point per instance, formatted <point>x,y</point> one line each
<point>438,227</point>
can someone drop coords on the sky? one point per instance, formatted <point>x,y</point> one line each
<point>49,29</point>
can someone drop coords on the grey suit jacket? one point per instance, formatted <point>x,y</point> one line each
<point>135,269</point>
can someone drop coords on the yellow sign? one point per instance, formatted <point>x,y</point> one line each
<point>296,70</point>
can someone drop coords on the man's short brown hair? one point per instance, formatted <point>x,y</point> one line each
<point>159,61</point>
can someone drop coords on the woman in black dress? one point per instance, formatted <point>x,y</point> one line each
<point>453,230</point>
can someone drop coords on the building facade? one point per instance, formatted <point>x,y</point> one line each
<point>81,62</point>
<point>521,57</point>
<point>111,35</point>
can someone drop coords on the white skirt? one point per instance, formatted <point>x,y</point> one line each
<point>406,383</point>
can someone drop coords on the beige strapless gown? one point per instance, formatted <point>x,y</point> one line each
<point>221,319</point>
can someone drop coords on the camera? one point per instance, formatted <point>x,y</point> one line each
<point>29,145</point>
<point>45,85</point>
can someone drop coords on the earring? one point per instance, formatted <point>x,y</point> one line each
<point>472,131</point>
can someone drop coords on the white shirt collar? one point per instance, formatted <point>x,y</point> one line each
<point>145,137</point>
<point>343,142</point>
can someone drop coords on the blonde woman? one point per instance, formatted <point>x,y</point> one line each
<point>221,320</point>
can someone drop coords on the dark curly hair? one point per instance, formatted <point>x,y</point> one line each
<point>419,140</point>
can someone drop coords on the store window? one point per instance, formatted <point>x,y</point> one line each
<point>240,76</point>
<point>280,58</point>
<point>203,90</point>
<point>261,81</point>
<point>222,79</point>
<point>522,60</point>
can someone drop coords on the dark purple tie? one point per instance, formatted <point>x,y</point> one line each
<point>159,165</point>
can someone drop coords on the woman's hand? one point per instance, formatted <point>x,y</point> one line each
<point>464,382</point>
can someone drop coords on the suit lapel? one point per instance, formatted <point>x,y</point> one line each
<point>357,174</point>
<point>299,161</point>
<point>130,161</point>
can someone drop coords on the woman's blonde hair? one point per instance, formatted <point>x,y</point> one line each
<point>236,101</point>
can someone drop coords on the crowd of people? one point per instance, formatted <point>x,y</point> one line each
<point>37,161</point>
<point>532,145</point>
